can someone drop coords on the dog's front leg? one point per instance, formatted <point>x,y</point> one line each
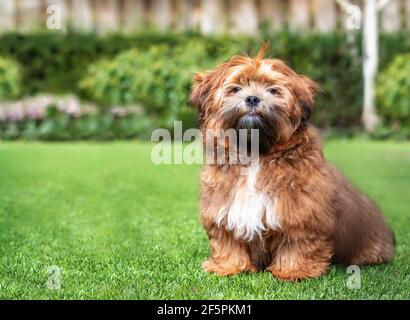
<point>228,255</point>
<point>302,258</point>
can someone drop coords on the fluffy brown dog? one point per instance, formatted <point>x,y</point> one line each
<point>293,213</point>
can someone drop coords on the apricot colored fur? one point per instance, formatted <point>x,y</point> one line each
<point>322,217</point>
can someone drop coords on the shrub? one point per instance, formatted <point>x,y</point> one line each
<point>65,118</point>
<point>159,78</point>
<point>56,63</point>
<point>59,126</point>
<point>393,92</point>
<point>9,79</point>
<point>327,59</point>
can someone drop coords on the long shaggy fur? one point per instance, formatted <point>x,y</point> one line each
<point>294,213</point>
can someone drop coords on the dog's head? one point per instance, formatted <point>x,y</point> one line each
<point>254,93</point>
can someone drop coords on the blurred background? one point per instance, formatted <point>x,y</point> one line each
<point>117,69</point>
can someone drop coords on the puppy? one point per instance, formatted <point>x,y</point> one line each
<point>293,213</point>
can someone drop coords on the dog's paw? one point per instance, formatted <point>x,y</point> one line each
<point>225,270</point>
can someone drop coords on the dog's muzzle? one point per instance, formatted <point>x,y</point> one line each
<point>250,121</point>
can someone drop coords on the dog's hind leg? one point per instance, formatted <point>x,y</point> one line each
<point>375,253</point>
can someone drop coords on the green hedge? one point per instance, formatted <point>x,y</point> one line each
<point>159,78</point>
<point>393,99</point>
<point>393,91</point>
<point>61,126</point>
<point>59,63</point>
<point>10,78</point>
<point>55,62</point>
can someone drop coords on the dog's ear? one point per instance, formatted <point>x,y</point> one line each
<point>200,89</point>
<point>306,90</point>
<point>204,85</point>
<point>200,92</point>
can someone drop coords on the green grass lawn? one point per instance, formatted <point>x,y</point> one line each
<point>120,227</point>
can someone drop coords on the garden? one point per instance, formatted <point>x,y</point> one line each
<point>126,86</point>
<point>79,193</point>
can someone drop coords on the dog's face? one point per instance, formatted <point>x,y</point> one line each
<point>246,93</point>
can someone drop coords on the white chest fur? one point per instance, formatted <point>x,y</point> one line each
<point>251,212</point>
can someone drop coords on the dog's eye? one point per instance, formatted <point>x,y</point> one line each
<point>236,89</point>
<point>273,91</point>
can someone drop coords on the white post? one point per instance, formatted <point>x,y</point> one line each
<point>370,62</point>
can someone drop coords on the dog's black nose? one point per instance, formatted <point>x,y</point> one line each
<point>252,101</point>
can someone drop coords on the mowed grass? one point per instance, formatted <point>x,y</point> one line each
<point>119,227</point>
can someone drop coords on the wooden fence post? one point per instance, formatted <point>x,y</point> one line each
<point>324,15</point>
<point>407,13</point>
<point>161,14</point>
<point>82,15</point>
<point>391,17</point>
<point>133,15</point>
<point>29,15</point>
<point>212,17</point>
<point>244,17</point>
<point>7,15</point>
<point>299,15</point>
<point>186,15</point>
<point>107,16</point>
<point>273,12</point>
